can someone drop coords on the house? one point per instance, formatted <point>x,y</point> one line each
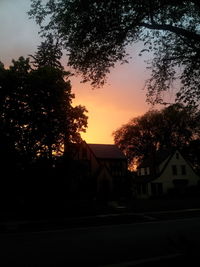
<point>164,173</point>
<point>105,167</point>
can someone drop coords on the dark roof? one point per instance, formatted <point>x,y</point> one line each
<point>106,151</point>
<point>158,158</point>
<point>151,177</point>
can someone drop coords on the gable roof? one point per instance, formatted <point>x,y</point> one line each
<point>102,151</point>
<point>159,157</point>
<point>151,177</point>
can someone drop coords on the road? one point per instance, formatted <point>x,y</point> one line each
<point>102,245</point>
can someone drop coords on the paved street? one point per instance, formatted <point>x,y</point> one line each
<point>96,246</point>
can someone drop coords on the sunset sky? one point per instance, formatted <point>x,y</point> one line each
<point>109,107</point>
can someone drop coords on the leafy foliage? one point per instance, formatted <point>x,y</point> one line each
<point>37,121</point>
<point>173,126</point>
<point>48,54</point>
<point>36,113</point>
<point>96,33</point>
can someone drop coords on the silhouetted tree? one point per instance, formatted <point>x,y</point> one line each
<point>96,34</point>
<point>36,120</point>
<point>53,92</point>
<point>13,106</point>
<point>36,113</point>
<point>173,126</point>
<point>192,154</point>
<point>49,54</point>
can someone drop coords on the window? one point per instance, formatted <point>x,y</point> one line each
<point>174,170</point>
<point>183,169</point>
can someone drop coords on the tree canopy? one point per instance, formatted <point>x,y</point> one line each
<point>172,127</point>
<point>36,113</point>
<point>38,125</point>
<point>96,34</point>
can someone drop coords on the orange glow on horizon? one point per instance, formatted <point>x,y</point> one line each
<point>121,99</point>
<point>110,106</point>
<point>102,122</point>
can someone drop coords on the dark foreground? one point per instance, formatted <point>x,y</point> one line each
<point>89,215</point>
<point>147,233</point>
<point>143,244</point>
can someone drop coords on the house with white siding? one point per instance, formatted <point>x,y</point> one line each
<point>164,173</point>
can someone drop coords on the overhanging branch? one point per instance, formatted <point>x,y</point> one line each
<point>174,29</point>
